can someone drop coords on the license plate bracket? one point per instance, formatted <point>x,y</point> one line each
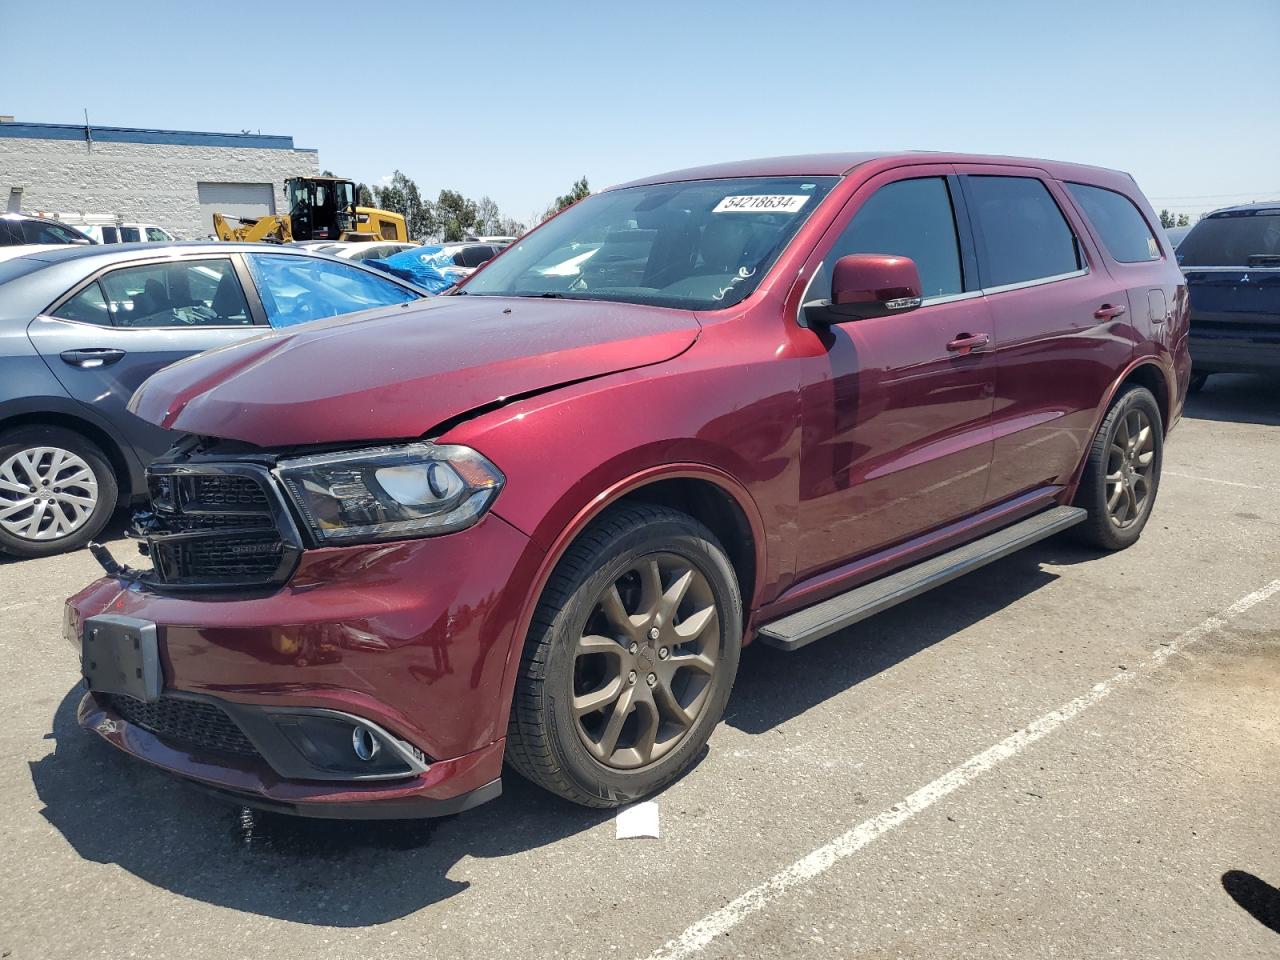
<point>121,655</point>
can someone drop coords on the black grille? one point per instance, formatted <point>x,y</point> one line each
<point>217,526</point>
<point>189,723</point>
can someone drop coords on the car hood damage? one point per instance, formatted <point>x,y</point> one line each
<point>401,373</point>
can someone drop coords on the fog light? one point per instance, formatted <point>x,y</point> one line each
<point>364,743</point>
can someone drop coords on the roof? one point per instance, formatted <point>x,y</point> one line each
<point>127,251</point>
<point>839,164</point>
<point>1258,206</point>
<point>181,138</point>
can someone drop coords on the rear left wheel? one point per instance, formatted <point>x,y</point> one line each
<point>1121,477</point>
<point>630,658</point>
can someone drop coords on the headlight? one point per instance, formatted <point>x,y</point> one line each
<point>390,493</point>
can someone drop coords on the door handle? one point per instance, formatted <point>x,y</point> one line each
<point>91,357</point>
<point>1109,311</point>
<point>968,342</point>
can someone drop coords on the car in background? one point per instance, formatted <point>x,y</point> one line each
<point>1231,260</point>
<point>18,229</point>
<point>1176,235</point>
<point>128,233</point>
<point>376,250</point>
<point>469,257</point>
<point>82,326</point>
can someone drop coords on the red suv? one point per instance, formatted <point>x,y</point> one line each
<point>538,519</point>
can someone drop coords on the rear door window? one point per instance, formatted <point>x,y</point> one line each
<point>1020,232</point>
<point>1122,228</point>
<point>186,293</point>
<point>1234,238</point>
<point>110,235</point>
<point>156,235</point>
<point>130,235</point>
<point>907,218</point>
<point>297,289</point>
<point>87,306</point>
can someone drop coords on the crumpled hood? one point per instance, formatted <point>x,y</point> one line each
<point>398,373</point>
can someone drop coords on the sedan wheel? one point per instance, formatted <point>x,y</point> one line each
<point>46,493</point>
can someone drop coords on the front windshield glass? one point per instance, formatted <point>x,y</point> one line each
<point>701,244</point>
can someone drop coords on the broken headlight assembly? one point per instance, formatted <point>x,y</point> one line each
<point>390,493</point>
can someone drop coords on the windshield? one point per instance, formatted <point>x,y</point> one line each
<point>701,244</point>
<point>1230,239</point>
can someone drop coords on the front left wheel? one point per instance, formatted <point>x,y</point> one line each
<point>57,491</point>
<point>629,659</point>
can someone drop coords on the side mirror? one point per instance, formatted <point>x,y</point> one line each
<point>865,285</point>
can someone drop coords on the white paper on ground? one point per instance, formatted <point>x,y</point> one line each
<point>638,820</point>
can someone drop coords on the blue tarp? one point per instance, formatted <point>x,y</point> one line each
<point>421,265</point>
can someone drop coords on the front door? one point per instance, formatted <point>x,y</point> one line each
<point>124,324</point>
<point>897,431</point>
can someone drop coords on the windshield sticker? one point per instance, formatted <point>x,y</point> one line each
<point>762,203</point>
<point>744,273</point>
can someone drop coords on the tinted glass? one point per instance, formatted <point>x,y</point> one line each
<point>11,233</point>
<point>909,218</point>
<point>1123,231</point>
<point>87,306</point>
<point>42,231</point>
<point>699,244</point>
<point>191,293</point>
<point>1021,233</point>
<point>1230,239</point>
<point>110,235</point>
<point>130,235</point>
<point>297,289</point>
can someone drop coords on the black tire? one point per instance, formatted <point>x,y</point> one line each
<point>544,740</point>
<point>1101,529</point>
<point>20,439</point>
<point>1197,381</point>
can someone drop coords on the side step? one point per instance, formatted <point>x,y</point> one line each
<point>813,623</point>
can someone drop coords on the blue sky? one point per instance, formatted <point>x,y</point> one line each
<point>516,100</point>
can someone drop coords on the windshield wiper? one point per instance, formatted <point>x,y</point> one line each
<point>553,296</point>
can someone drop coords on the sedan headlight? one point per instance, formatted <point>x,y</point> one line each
<point>390,493</point>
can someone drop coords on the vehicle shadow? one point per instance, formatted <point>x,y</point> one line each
<point>1255,896</point>
<point>1237,398</point>
<point>113,809</point>
<point>774,686</point>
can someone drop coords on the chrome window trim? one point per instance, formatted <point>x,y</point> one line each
<point>1038,282</point>
<point>950,298</point>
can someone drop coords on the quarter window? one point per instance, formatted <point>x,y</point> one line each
<point>1124,232</point>
<point>192,293</point>
<point>297,289</point>
<point>87,306</point>
<point>1021,233</point>
<point>909,218</point>
<point>156,235</point>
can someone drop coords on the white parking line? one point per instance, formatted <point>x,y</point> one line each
<point>1225,483</point>
<point>716,924</point>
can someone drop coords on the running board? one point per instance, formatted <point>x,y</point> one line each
<point>822,619</point>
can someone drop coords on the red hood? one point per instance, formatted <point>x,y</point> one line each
<point>398,374</point>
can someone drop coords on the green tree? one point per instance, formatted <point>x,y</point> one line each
<point>1184,220</point>
<point>1167,219</point>
<point>578,191</point>
<point>401,196</point>
<point>364,196</point>
<point>455,215</point>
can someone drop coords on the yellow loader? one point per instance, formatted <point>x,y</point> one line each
<point>320,208</point>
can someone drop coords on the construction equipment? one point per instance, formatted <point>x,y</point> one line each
<point>320,208</point>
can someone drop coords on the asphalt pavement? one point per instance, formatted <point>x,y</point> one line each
<point>1064,755</point>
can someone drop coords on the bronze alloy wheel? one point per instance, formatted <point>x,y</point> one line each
<point>1130,465</point>
<point>645,660</point>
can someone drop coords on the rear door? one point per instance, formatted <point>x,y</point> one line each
<point>111,332</point>
<point>1061,325</point>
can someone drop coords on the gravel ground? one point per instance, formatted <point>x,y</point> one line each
<point>1066,755</point>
